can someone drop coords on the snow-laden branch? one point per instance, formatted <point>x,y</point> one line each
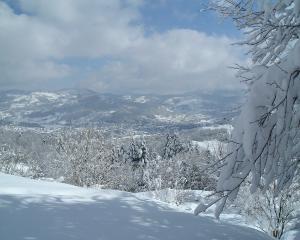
<point>268,128</point>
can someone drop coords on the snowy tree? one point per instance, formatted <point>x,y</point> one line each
<point>273,213</point>
<point>23,152</point>
<point>120,176</point>
<point>179,173</point>
<point>127,165</point>
<point>173,146</point>
<point>138,157</point>
<point>265,144</point>
<point>86,156</point>
<point>137,152</point>
<point>13,161</point>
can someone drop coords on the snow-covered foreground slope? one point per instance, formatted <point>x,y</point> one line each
<point>37,210</point>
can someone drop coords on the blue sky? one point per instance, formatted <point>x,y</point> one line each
<point>162,15</point>
<point>168,14</point>
<point>119,46</point>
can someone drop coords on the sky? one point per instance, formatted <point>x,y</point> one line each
<point>116,46</point>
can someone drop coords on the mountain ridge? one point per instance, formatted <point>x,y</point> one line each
<point>85,107</point>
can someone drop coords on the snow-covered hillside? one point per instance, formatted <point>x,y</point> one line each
<point>79,107</point>
<point>37,210</point>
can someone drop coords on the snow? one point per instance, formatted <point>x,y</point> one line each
<point>211,145</point>
<point>38,98</point>
<point>141,99</point>
<point>190,200</point>
<point>4,114</point>
<point>171,118</point>
<point>49,95</point>
<point>180,101</point>
<point>127,97</point>
<point>31,209</point>
<point>180,118</point>
<point>227,127</point>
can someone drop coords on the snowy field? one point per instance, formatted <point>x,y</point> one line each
<point>39,210</point>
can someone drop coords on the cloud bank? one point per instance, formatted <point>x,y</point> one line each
<point>104,46</point>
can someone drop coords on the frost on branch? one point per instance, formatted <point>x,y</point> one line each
<point>265,144</point>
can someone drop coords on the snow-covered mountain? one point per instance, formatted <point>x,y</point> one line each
<point>84,107</point>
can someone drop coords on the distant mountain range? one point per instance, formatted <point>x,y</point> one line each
<point>143,112</point>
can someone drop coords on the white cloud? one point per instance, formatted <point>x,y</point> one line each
<point>34,44</point>
<point>175,61</point>
<point>26,45</point>
<point>88,28</point>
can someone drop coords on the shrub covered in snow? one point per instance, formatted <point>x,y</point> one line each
<point>83,157</point>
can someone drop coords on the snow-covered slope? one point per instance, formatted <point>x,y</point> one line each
<point>37,210</point>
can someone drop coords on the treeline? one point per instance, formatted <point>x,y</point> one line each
<point>84,157</point>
